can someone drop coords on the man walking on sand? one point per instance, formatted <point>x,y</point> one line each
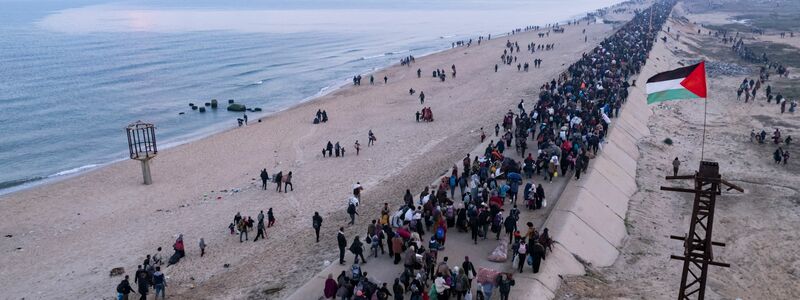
<point>260,228</point>
<point>676,164</point>
<point>264,178</point>
<point>342,244</point>
<point>159,283</point>
<point>316,222</point>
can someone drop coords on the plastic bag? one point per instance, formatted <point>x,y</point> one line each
<point>544,202</point>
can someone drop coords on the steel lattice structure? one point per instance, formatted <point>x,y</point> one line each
<point>698,253</point>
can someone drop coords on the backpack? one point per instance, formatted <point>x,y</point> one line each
<point>440,233</point>
<point>522,249</point>
<point>355,271</point>
<point>497,220</point>
<point>369,240</point>
<point>450,212</point>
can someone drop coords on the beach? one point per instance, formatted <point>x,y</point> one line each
<point>62,239</point>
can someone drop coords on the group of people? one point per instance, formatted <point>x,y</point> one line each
<point>426,115</point>
<point>149,276</point>
<point>322,117</point>
<point>335,149</point>
<point>407,61</point>
<point>779,155</point>
<point>282,182</point>
<point>243,225</point>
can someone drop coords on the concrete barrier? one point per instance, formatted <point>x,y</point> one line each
<point>588,221</point>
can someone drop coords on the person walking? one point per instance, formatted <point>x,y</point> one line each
<point>159,283</point>
<point>242,230</point>
<point>398,289</point>
<point>342,240</point>
<point>351,210</point>
<point>397,247</point>
<point>288,183</point>
<point>124,289</point>
<point>316,222</point>
<point>260,232</point>
<point>504,285</point>
<point>278,180</point>
<point>264,179</point>
<point>522,255</point>
<point>143,284</point>
<point>468,268</point>
<point>676,164</point>
<point>358,147</point>
<point>357,248</point>
<point>537,255</point>
<point>330,287</point>
<point>202,247</point>
<point>371,137</point>
<point>270,218</point>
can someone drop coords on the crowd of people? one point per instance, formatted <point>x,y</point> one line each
<point>568,123</point>
<point>149,276</point>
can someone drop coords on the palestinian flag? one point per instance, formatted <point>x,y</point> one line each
<point>684,83</point>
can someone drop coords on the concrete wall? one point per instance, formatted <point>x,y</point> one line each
<point>589,218</point>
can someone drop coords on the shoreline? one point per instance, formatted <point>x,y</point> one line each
<point>96,206</point>
<point>220,128</point>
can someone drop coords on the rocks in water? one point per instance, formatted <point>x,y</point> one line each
<point>257,109</point>
<point>202,109</point>
<point>9,236</point>
<point>207,104</point>
<point>214,103</point>
<point>181,113</point>
<point>230,101</point>
<point>191,104</point>
<point>250,109</point>
<point>116,271</point>
<point>236,107</point>
<point>194,107</point>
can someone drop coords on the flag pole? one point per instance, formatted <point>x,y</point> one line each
<point>703,143</point>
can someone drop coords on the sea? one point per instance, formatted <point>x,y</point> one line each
<point>74,74</point>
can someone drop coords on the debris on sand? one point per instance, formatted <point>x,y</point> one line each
<point>717,68</point>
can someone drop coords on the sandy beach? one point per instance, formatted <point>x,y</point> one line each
<point>756,225</point>
<point>62,239</point>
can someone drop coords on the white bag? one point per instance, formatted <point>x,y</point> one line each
<point>468,296</point>
<point>544,202</point>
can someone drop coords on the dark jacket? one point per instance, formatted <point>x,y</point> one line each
<point>316,221</point>
<point>356,247</point>
<point>342,240</point>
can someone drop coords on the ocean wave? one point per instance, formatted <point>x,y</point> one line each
<point>17,182</point>
<point>398,52</point>
<point>247,73</point>
<point>372,56</point>
<point>353,50</point>
<point>74,170</point>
